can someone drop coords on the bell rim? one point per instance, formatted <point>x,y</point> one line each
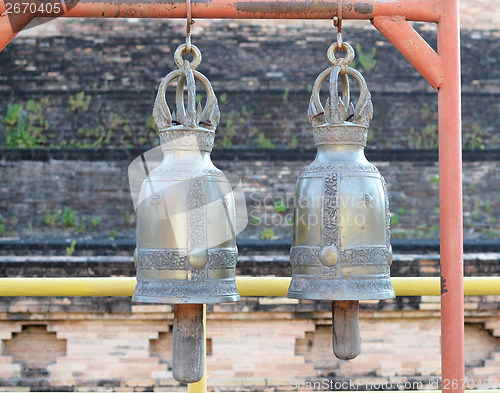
<point>337,288</point>
<point>336,296</point>
<point>181,300</point>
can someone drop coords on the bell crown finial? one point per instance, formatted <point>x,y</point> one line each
<point>192,128</point>
<point>339,121</point>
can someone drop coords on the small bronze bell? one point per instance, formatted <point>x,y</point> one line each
<point>341,242</point>
<point>186,245</point>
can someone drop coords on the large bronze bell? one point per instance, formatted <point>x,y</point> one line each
<point>341,247</point>
<point>186,245</point>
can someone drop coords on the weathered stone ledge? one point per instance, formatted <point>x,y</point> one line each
<point>239,154</point>
<point>404,265</point>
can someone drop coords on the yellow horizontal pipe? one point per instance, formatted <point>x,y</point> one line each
<point>416,286</point>
<point>478,286</point>
<point>70,286</point>
<point>263,286</point>
<point>247,286</point>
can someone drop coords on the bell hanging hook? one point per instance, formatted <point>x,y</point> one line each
<point>189,22</point>
<point>337,22</point>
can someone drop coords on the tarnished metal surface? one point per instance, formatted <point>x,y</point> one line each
<point>188,343</point>
<point>186,249</point>
<point>345,338</point>
<point>341,247</point>
<point>414,10</point>
<point>341,243</point>
<point>11,25</point>
<point>186,243</point>
<point>450,199</point>
<point>411,10</point>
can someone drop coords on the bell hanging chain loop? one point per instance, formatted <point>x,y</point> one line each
<point>189,23</point>
<point>341,247</point>
<point>189,46</point>
<point>342,61</point>
<point>181,63</point>
<point>337,22</point>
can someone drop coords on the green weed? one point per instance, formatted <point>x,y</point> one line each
<point>474,138</point>
<point>285,94</point>
<point>71,248</point>
<point>267,234</point>
<point>79,101</point>
<point>26,126</point>
<point>264,143</point>
<point>2,226</point>
<point>366,60</point>
<point>293,144</point>
<point>280,207</point>
<point>50,219</point>
<point>434,179</point>
<point>427,138</point>
<point>95,221</point>
<point>81,226</point>
<point>223,97</point>
<point>68,218</point>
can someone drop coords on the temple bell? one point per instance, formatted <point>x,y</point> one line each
<point>341,247</point>
<point>186,249</point>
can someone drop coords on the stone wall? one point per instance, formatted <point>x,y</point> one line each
<point>33,189</point>
<point>109,344</point>
<point>262,71</point>
<point>101,90</point>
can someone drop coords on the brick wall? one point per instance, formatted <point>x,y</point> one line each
<point>264,343</point>
<point>32,189</point>
<point>35,347</point>
<point>285,344</point>
<point>263,71</point>
<point>100,350</point>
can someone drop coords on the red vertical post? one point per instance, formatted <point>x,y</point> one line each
<point>450,201</point>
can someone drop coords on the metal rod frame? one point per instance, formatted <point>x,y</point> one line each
<point>390,17</point>
<point>247,286</point>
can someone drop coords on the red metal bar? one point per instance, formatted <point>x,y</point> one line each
<point>450,202</point>
<point>412,46</point>
<point>10,26</point>
<point>416,10</point>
